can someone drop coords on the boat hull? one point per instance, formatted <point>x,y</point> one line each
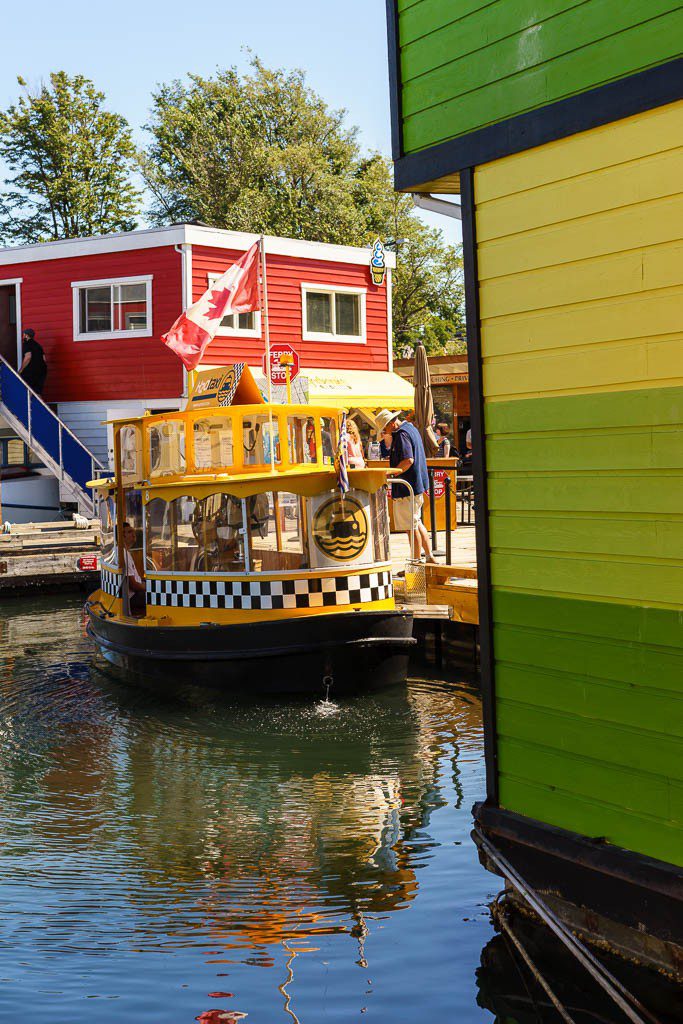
<point>355,650</point>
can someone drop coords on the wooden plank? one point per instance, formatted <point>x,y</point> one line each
<point>608,188</point>
<point>621,536</point>
<point>632,140</point>
<point>651,795</point>
<point>506,93</point>
<point>590,817</point>
<point>587,281</point>
<point>635,749</point>
<point>616,492</point>
<point>585,234</point>
<point>659,583</point>
<point>629,704</point>
<point>627,661</point>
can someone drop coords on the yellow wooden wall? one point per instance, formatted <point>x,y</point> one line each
<point>580,258</point>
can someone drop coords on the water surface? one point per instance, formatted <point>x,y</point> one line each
<point>165,856</point>
<point>172,857</point>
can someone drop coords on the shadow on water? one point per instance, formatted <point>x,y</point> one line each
<point>177,855</point>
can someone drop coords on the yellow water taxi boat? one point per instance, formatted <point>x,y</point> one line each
<point>240,563</point>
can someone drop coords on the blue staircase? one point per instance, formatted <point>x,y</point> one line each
<point>42,430</point>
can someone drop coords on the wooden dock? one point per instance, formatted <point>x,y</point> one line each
<point>39,556</point>
<point>451,590</point>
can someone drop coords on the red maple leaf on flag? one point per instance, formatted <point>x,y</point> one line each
<point>217,303</point>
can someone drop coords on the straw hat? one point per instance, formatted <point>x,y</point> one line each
<point>384,418</point>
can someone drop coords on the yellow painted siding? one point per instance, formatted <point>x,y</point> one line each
<point>581,262</point>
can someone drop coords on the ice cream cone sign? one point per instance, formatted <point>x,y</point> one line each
<point>378,263</point>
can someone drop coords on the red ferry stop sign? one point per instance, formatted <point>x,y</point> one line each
<point>439,483</point>
<point>277,372</point>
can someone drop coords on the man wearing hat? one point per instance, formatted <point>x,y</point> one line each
<point>33,367</point>
<point>407,454</point>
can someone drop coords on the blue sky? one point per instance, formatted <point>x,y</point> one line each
<point>130,46</point>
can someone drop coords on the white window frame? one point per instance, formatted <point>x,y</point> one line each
<point>236,332</point>
<point>346,339</point>
<point>145,332</point>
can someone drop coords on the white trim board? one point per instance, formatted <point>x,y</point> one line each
<point>184,234</point>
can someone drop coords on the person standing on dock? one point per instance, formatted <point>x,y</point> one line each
<point>407,454</point>
<point>33,369</point>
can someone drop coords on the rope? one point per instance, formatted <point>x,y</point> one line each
<point>611,985</point>
<point>501,920</point>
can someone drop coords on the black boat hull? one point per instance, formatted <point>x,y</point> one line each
<point>355,650</point>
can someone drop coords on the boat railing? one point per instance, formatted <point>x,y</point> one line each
<point>232,440</point>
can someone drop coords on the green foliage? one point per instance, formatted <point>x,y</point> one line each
<point>69,164</point>
<point>260,153</point>
<point>263,153</point>
<point>428,296</point>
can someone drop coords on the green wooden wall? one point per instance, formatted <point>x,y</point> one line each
<point>465,64</point>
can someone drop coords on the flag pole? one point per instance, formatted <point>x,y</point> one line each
<point>266,325</point>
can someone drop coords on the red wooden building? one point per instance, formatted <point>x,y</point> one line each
<point>100,305</point>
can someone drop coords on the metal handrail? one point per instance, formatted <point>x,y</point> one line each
<point>62,425</point>
<point>25,425</point>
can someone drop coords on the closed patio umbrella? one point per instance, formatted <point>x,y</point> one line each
<point>424,403</point>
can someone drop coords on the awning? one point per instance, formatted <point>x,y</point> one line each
<point>350,389</point>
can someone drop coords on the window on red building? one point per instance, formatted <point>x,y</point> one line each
<point>112,309</point>
<point>333,314</point>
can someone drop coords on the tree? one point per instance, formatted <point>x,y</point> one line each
<point>69,162</point>
<point>428,294</point>
<point>261,153</point>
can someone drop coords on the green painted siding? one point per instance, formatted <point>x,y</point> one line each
<point>581,326</point>
<point>466,64</point>
<point>590,718</point>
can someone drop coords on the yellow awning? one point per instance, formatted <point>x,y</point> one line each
<point>359,389</point>
<point>344,389</point>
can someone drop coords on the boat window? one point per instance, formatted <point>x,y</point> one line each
<point>256,438</point>
<point>379,514</point>
<point>166,448</point>
<point>131,453</point>
<point>276,534</point>
<point>219,529</point>
<point>132,506</point>
<point>108,551</point>
<point>213,443</point>
<point>301,439</point>
<point>329,436</point>
<point>158,536</point>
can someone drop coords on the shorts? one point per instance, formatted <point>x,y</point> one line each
<point>401,507</point>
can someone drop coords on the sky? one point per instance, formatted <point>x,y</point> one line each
<point>130,46</point>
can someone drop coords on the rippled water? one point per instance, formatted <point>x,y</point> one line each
<point>172,858</point>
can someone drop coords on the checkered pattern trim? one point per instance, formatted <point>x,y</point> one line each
<point>111,582</point>
<point>316,592</point>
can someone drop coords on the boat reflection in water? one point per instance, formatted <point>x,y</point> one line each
<point>155,841</point>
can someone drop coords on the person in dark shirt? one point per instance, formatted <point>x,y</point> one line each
<point>33,367</point>
<point>408,455</point>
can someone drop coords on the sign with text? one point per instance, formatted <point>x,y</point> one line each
<point>278,373</point>
<point>439,482</point>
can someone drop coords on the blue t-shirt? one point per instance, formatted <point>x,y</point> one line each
<point>407,444</point>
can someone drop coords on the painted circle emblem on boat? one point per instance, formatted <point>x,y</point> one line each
<point>340,528</point>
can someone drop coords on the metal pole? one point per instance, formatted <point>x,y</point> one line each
<point>266,324</point>
<point>432,506</point>
<point>447,499</point>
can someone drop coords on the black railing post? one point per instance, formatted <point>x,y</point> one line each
<point>447,498</point>
<point>432,505</point>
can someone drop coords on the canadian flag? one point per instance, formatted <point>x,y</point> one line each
<point>235,292</point>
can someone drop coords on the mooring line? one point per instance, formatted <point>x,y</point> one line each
<point>536,974</point>
<point>614,988</point>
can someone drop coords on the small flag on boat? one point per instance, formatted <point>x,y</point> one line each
<point>342,458</point>
<point>236,291</point>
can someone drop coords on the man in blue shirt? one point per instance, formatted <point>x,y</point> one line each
<point>407,454</point>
